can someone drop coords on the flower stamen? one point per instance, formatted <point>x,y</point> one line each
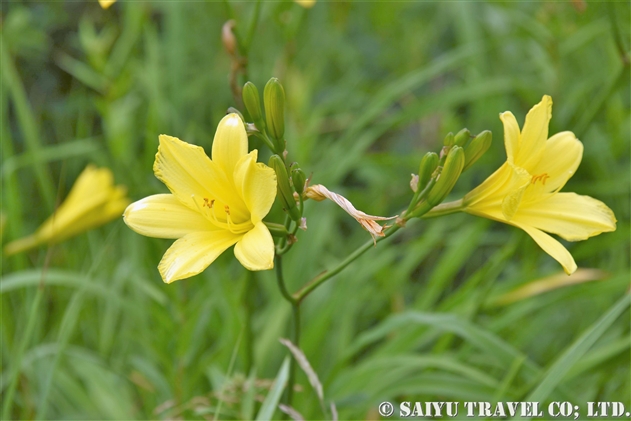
<point>541,177</point>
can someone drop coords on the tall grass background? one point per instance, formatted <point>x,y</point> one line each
<point>89,331</point>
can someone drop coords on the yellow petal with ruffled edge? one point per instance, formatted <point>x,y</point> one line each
<point>193,253</point>
<point>562,156</point>
<point>569,215</point>
<point>255,250</point>
<point>164,216</point>
<point>192,177</point>
<point>256,183</point>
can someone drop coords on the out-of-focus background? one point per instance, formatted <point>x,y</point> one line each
<point>90,331</point>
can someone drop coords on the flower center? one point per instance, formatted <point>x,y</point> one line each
<point>541,177</point>
<point>209,210</point>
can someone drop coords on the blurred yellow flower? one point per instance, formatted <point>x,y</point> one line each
<point>307,4</point>
<point>213,205</point>
<point>106,3</point>
<point>524,191</point>
<point>92,201</point>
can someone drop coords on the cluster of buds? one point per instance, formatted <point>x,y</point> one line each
<point>270,128</point>
<point>438,173</point>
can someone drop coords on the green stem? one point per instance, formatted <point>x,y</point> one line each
<point>445,209</point>
<point>248,300</point>
<point>277,230</point>
<point>323,277</point>
<point>295,304</point>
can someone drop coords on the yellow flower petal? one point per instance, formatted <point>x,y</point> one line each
<point>257,185</point>
<point>106,3</point>
<point>512,137</point>
<point>192,253</point>
<point>524,191</point>
<point>92,201</point>
<point>519,181</point>
<point>307,4</point>
<point>534,134</point>
<point>230,143</point>
<point>255,250</point>
<point>164,216</point>
<point>551,246</point>
<point>562,156</point>
<point>192,176</point>
<point>569,215</point>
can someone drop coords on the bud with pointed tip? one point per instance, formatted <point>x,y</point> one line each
<point>448,177</point>
<point>252,103</point>
<point>284,189</point>
<point>449,139</point>
<point>426,168</point>
<point>478,146</point>
<point>298,178</point>
<point>274,101</point>
<point>461,138</point>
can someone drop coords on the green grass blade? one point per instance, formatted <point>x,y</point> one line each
<point>273,397</point>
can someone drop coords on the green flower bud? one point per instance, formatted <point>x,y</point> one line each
<point>448,177</point>
<point>274,99</point>
<point>478,146</point>
<point>449,139</point>
<point>252,103</point>
<point>299,179</point>
<point>462,137</point>
<point>427,167</point>
<point>284,189</point>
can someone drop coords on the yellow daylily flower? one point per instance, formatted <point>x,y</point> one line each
<point>524,191</point>
<point>307,4</point>
<point>92,201</point>
<point>214,203</point>
<point>106,3</point>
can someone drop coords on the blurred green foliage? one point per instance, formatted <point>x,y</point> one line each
<point>88,329</point>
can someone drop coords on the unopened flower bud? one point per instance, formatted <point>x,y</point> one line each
<point>427,167</point>
<point>449,139</point>
<point>227,37</point>
<point>252,103</point>
<point>298,178</point>
<point>461,138</point>
<point>284,189</point>
<point>274,99</point>
<point>478,146</point>
<point>448,177</point>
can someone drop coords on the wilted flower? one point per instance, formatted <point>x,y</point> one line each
<point>92,201</point>
<point>319,193</point>
<point>524,191</point>
<point>214,204</point>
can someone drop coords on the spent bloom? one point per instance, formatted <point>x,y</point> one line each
<point>92,201</point>
<point>318,193</point>
<point>213,204</point>
<point>524,191</point>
